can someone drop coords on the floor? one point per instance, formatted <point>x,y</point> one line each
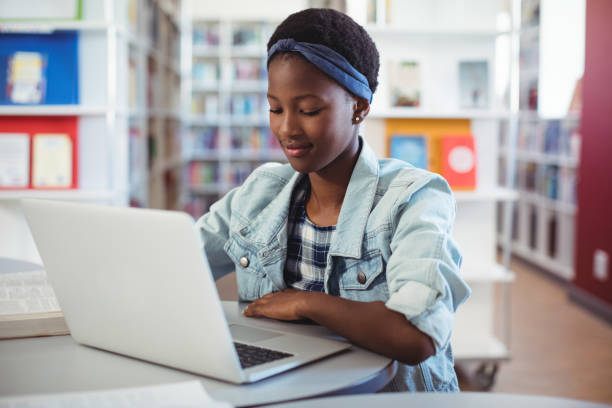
<point>558,348</point>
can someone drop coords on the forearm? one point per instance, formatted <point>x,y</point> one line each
<point>370,325</point>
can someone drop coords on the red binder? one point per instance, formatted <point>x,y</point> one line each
<point>459,161</point>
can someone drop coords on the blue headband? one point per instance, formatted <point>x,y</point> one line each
<point>328,61</point>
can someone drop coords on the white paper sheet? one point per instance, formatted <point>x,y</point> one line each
<point>183,394</point>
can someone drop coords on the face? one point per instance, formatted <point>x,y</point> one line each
<point>312,116</point>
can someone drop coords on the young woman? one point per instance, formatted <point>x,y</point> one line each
<point>359,245</point>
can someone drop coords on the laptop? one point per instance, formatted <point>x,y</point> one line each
<point>136,282</point>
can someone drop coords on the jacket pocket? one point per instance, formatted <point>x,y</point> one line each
<point>365,279</point>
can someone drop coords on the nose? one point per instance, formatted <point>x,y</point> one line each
<point>287,124</point>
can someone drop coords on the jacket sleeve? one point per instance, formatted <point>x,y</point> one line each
<point>213,228</point>
<point>423,269</point>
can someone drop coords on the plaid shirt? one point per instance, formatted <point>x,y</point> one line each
<point>308,245</point>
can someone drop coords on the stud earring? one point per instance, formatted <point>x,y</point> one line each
<point>357,118</point>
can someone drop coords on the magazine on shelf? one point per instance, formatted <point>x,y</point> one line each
<point>473,84</point>
<point>14,160</point>
<point>411,148</point>
<point>459,161</point>
<point>405,83</point>
<point>52,160</point>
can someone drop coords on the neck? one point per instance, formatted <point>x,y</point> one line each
<point>328,186</point>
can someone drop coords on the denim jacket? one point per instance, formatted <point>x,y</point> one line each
<point>394,226</point>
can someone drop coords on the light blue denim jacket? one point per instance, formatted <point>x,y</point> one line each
<point>394,226</point>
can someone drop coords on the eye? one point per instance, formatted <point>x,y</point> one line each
<point>311,113</point>
<point>276,111</point>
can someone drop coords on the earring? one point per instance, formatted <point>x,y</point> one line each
<point>357,119</point>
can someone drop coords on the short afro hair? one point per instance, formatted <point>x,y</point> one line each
<point>337,31</point>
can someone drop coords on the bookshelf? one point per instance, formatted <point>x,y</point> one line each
<point>229,134</point>
<point>439,36</point>
<point>122,125</point>
<point>548,139</point>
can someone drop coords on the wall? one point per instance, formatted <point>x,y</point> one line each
<point>594,220</point>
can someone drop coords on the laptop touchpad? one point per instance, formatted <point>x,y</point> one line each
<point>250,334</point>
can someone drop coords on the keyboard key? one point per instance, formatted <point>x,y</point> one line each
<point>251,355</point>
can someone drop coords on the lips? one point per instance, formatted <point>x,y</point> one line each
<point>297,149</point>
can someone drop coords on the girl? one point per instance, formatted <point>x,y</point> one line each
<point>359,245</point>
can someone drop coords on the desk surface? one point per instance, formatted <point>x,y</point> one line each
<point>441,400</point>
<point>58,364</point>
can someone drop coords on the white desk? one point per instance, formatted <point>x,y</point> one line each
<point>58,364</point>
<point>442,400</point>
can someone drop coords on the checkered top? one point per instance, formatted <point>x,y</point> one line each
<point>308,245</point>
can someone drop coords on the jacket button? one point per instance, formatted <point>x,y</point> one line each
<point>361,277</point>
<point>244,261</point>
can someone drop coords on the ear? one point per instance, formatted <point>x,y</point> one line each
<point>361,108</point>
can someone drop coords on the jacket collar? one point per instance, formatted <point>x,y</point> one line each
<point>357,205</point>
<point>271,223</point>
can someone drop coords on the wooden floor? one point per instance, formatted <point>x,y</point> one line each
<point>558,348</point>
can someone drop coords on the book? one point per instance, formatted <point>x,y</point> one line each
<point>52,155</point>
<point>413,149</point>
<point>14,160</point>
<point>405,83</point>
<point>459,161</point>
<point>28,307</point>
<point>473,84</point>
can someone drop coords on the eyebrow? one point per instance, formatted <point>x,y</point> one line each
<point>297,97</point>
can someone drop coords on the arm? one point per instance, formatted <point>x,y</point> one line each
<point>368,324</point>
<point>213,229</point>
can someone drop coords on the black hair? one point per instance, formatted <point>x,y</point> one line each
<point>337,31</point>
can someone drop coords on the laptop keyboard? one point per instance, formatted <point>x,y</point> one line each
<point>251,356</point>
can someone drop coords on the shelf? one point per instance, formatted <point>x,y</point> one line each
<point>375,29</point>
<point>546,202</point>
<point>51,26</point>
<point>51,110</point>
<point>479,348</point>
<point>564,271</point>
<point>492,194</point>
<point>68,195</point>
<point>486,273</point>
<point>205,51</point>
<point>543,158</point>
<point>417,113</point>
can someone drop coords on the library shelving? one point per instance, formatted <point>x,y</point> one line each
<point>548,140</point>
<point>432,43</point>
<point>229,132</point>
<point>93,66</point>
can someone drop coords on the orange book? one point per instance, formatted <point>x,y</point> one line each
<point>459,161</point>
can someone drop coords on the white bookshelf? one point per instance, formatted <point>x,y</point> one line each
<point>111,33</point>
<point>444,34</point>
<point>548,140</point>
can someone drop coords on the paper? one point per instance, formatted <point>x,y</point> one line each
<point>26,79</point>
<point>473,84</point>
<point>405,83</point>
<point>184,394</point>
<point>26,292</point>
<point>51,160</point>
<point>14,160</point>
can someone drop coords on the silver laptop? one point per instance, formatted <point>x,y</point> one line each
<point>136,282</point>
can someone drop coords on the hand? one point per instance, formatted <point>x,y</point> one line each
<point>283,305</point>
